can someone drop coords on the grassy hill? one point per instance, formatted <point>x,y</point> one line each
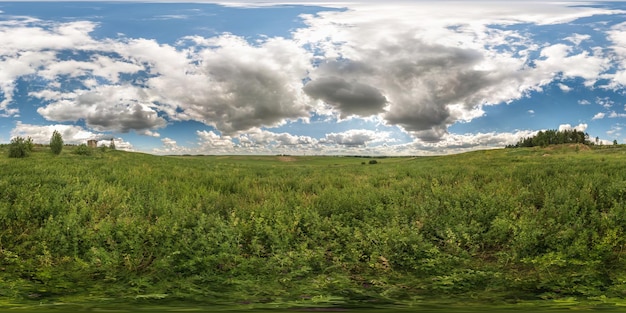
<point>498,225</point>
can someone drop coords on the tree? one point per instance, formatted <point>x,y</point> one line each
<point>20,147</point>
<point>615,142</point>
<point>56,143</point>
<point>112,145</point>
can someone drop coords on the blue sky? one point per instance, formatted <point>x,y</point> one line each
<point>304,77</point>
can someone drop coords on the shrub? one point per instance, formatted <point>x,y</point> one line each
<point>82,149</point>
<point>56,143</point>
<point>373,162</point>
<point>20,147</point>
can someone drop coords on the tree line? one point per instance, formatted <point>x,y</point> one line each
<point>553,137</point>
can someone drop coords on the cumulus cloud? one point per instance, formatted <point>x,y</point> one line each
<point>599,116</point>
<point>26,48</point>
<point>425,87</point>
<point>580,127</point>
<point>565,88</point>
<point>614,114</point>
<point>440,68</point>
<point>355,137</point>
<point>120,144</point>
<point>238,86</point>
<point>614,132</point>
<point>170,146</point>
<point>214,143</point>
<point>106,108</point>
<point>455,143</point>
<point>259,137</point>
<point>350,98</point>
<point>42,133</point>
<point>577,38</point>
<point>558,59</point>
<point>97,66</point>
<point>617,35</point>
<point>606,102</point>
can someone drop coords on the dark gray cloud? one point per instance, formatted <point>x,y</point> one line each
<point>422,87</point>
<point>124,119</point>
<point>417,84</point>
<point>350,98</point>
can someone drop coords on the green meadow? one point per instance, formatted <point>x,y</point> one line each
<point>511,227</point>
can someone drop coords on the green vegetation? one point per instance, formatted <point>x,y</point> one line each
<point>499,226</point>
<point>83,149</point>
<point>20,147</point>
<point>554,137</point>
<point>56,143</point>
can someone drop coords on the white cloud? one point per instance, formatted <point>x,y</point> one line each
<point>25,49</point>
<point>258,138</point>
<point>606,102</point>
<point>458,143</point>
<point>355,137</point>
<point>98,66</point>
<point>565,88</point>
<point>580,127</point>
<point>214,143</point>
<point>559,60</point>
<point>617,35</point>
<point>598,116</point>
<point>614,114</point>
<point>436,68</point>
<point>578,38</point>
<point>42,133</point>
<point>170,146</point>
<point>584,102</point>
<point>238,86</point>
<point>119,108</point>
<point>531,111</point>
<point>615,131</point>
<point>120,144</point>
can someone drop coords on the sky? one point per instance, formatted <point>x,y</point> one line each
<point>311,77</point>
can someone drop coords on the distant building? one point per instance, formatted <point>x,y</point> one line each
<point>92,143</point>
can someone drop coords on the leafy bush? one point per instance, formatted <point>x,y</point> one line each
<point>20,147</point>
<point>83,150</point>
<point>56,143</point>
<point>373,162</point>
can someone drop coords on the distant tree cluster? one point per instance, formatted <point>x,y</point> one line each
<point>553,137</point>
<point>22,147</point>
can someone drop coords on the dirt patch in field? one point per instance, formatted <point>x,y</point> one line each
<point>286,159</point>
<point>572,146</point>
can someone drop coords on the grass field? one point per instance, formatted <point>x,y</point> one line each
<point>496,226</point>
